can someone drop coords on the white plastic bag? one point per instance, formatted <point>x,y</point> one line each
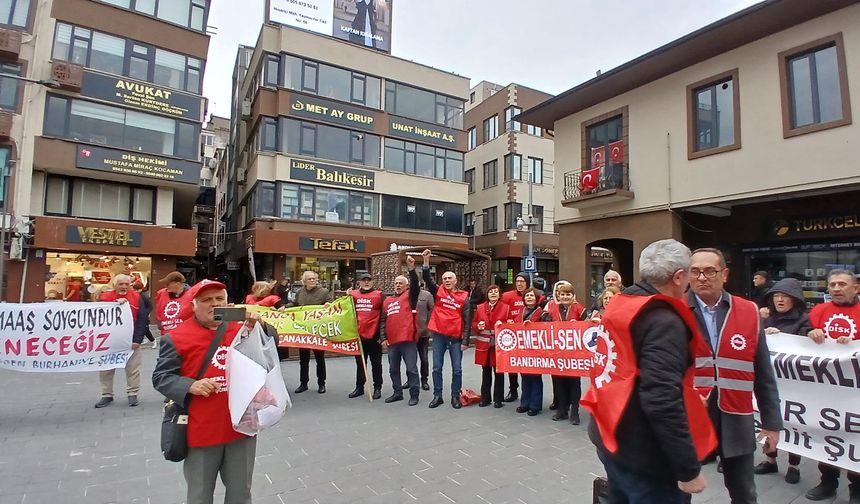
<point>257,394</point>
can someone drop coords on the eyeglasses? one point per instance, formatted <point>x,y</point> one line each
<point>708,272</point>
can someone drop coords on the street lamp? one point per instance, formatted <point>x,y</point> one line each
<point>474,235</point>
<point>529,221</point>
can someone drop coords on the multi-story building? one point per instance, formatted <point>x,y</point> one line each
<point>738,136</point>
<point>341,151</point>
<point>106,156</point>
<point>503,154</point>
<point>213,142</point>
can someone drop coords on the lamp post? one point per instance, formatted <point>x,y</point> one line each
<point>474,235</point>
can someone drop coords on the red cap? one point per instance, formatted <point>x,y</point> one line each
<point>205,284</point>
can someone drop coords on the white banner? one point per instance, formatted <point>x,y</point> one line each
<point>61,337</point>
<point>313,15</point>
<point>818,390</point>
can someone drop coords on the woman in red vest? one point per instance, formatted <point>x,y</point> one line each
<point>603,302</point>
<point>261,295</point>
<point>489,315</point>
<point>531,400</point>
<point>567,389</point>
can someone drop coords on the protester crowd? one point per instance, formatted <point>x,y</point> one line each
<point>698,361</point>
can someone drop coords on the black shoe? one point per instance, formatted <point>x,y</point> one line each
<point>436,402</point>
<point>574,418</point>
<point>553,406</point>
<point>792,475</point>
<point>455,403</point>
<point>359,391</point>
<point>132,401</point>
<point>377,393</point>
<point>766,467</point>
<point>512,396</point>
<point>821,492</point>
<point>425,385</point>
<point>498,404</point>
<point>559,416</point>
<point>301,388</point>
<point>405,386</point>
<point>483,404</point>
<point>521,409</point>
<point>533,412</point>
<point>413,401</point>
<point>394,398</point>
<point>104,401</point>
<point>321,389</point>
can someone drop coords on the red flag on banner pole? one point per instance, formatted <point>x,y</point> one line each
<point>598,157</point>
<point>616,152</point>
<point>589,179</point>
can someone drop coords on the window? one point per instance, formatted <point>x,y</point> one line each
<point>417,159</point>
<point>5,152</point>
<point>472,97</point>
<point>271,68</point>
<point>267,135</point>
<point>513,167</point>
<point>316,204</point>
<point>605,148</point>
<point>408,101</point>
<point>328,81</point>
<point>713,115</point>
<point>328,142</point>
<point>814,87</point>
<point>94,199</point>
<point>187,13</point>
<point>491,128</point>
<point>470,179</point>
<point>107,53</point>
<point>9,87</point>
<point>117,127</point>
<point>490,224</point>
<point>469,228</point>
<point>513,211</point>
<point>534,130</point>
<point>412,213</point>
<point>473,138</point>
<point>14,12</point>
<point>510,113</point>
<point>536,169</point>
<point>537,215</point>
<point>601,134</point>
<point>491,174</point>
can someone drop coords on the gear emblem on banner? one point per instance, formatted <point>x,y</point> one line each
<point>738,342</point>
<point>506,340</point>
<point>840,325</point>
<point>605,376</point>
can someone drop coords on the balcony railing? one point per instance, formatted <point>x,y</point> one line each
<point>605,185</point>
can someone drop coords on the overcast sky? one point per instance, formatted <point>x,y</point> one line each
<point>550,45</point>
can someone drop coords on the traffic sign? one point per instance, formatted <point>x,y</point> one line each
<point>529,264</point>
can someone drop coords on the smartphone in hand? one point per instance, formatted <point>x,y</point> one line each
<point>229,314</point>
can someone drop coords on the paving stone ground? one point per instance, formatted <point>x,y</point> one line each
<point>56,448</point>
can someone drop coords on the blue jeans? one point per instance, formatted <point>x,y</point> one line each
<point>532,396</point>
<point>626,487</point>
<point>442,343</point>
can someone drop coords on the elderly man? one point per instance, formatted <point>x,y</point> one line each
<point>610,279</point>
<point>123,293</point>
<point>311,294</point>
<point>836,321</point>
<point>398,329</point>
<point>368,309</point>
<point>739,366</point>
<point>213,446</point>
<point>449,329</point>
<point>651,449</point>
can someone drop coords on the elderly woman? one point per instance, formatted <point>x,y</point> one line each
<point>261,294</point>
<point>603,302</point>
<point>531,400</point>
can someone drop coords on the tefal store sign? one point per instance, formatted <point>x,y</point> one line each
<point>330,245</point>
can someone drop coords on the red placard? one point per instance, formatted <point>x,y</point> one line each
<point>558,348</point>
<point>101,277</point>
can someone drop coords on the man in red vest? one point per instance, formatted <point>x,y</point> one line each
<point>213,446</point>
<point>836,320</point>
<point>123,293</point>
<point>449,328</point>
<point>399,331</point>
<point>738,367</point>
<point>368,307</point>
<point>651,447</point>
<point>172,307</point>
<point>514,299</point>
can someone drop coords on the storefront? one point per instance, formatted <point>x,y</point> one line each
<point>82,277</point>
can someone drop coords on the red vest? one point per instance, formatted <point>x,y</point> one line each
<point>368,307</point>
<point>836,321</point>
<point>535,316</point>
<point>268,301</point>
<point>514,300</point>
<point>132,296</point>
<point>447,316</point>
<point>731,367</point>
<point>400,319</point>
<point>170,311</point>
<point>208,417</point>
<point>573,313</point>
<point>613,382</point>
<point>485,341</point>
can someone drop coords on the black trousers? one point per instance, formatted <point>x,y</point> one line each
<point>793,458</point>
<point>373,351</point>
<point>738,478</point>
<point>830,476</point>
<point>514,380</point>
<point>487,376</point>
<point>304,365</point>
<point>567,390</point>
<point>423,346</point>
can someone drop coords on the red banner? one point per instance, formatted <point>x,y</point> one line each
<point>558,348</point>
<point>616,152</point>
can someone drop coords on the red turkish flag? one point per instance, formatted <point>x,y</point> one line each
<point>616,152</point>
<point>598,157</point>
<point>588,180</point>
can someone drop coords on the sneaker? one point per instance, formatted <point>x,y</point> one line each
<point>792,475</point>
<point>104,401</point>
<point>821,492</point>
<point>766,467</point>
<point>132,401</point>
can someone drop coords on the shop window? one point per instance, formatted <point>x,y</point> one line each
<point>328,142</point>
<point>85,276</point>
<point>491,174</point>
<point>713,106</point>
<point>330,82</point>
<point>491,222</point>
<point>536,169</point>
<point>9,87</point>
<point>491,128</point>
<point>470,179</point>
<point>415,103</point>
<point>14,12</point>
<point>814,84</point>
<point>419,214</point>
<point>424,160</point>
<point>510,113</point>
<point>472,137</point>
<point>513,167</point>
<point>513,211</point>
<point>94,199</point>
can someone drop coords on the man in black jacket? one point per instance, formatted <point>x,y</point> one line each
<point>656,460</point>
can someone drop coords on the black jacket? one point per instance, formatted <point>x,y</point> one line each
<point>795,321</point>
<point>653,435</point>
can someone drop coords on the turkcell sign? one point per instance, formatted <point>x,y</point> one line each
<point>328,174</point>
<point>142,96</point>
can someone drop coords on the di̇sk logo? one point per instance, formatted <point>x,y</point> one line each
<point>599,341</point>
<point>506,340</point>
<point>172,309</point>
<point>219,360</point>
<point>840,325</point>
<point>738,342</point>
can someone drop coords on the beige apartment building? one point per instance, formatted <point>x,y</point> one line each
<point>102,141</point>
<point>503,154</point>
<point>738,136</point>
<point>340,151</point>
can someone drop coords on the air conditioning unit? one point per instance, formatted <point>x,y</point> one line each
<point>10,43</point>
<point>246,109</point>
<point>67,75</point>
<point>5,125</point>
<point>240,174</point>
